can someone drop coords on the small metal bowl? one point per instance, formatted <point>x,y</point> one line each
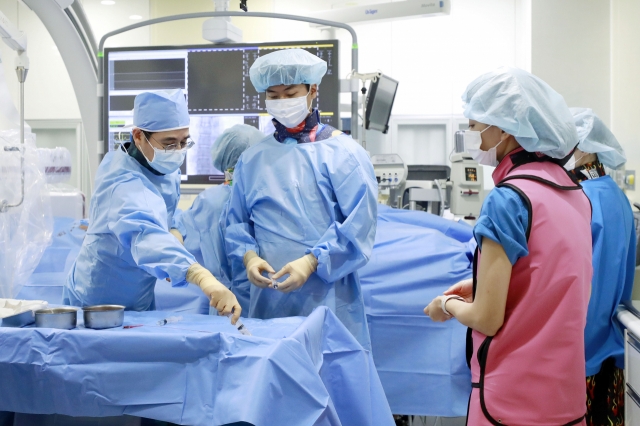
<point>103,316</point>
<point>62,318</point>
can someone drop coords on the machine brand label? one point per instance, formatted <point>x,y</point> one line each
<point>371,11</point>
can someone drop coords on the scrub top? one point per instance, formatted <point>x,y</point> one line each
<point>504,218</point>
<point>614,261</point>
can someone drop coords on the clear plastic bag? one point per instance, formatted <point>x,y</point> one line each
<point>26,224</point>
<point>56,163</point>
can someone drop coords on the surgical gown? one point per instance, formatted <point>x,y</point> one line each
<point>202,226</point>
<point>614,261</point>
<point>289,200</point>
<point>128,245</point>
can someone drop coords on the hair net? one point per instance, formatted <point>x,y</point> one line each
<point>232,143</point>
<point>160,111</point>
<point>288,66</point>
<point>524,106</point>
<point>596,138</point>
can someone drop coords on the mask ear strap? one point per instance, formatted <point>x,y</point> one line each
<point>565,160</point>
<point>486,128</point>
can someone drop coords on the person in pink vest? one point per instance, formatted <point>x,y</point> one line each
<point>526,306</point>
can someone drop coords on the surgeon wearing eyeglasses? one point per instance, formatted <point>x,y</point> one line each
<point>130,243</point>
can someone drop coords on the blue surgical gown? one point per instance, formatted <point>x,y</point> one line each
<point>202,226</point>
<point>614,261</point>
<point>128,245</point>
<point>289,200</point>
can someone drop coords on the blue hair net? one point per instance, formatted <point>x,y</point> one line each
<point>524,106</point>
<point>232,143</point>
<point>160,111</point>
<point>288,66</point>
<point>596,138</point>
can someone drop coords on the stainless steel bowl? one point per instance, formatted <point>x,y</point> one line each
<point>103,316</point>
<point>62,318</point>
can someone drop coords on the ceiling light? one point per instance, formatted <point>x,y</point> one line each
<point>108,2</point>
<point>135,17</point>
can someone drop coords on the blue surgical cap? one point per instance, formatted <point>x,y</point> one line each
<point>160,111</point>
<point>596,138</point>
<point>232,143</point>
<point>288,66</point>
<point>524,106</point>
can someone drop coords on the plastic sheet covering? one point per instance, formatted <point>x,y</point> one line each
<point>47,280</point>
<point>25,231</point>
<point>421,363</point>
<point>56,163</point>
<point>199,371</point>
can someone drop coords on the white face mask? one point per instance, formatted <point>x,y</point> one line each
<point>472,142</point>
<point>289,112</point>
<point>571,164</point>
<point>166,162</point>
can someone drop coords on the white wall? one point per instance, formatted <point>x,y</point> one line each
<point>571,49</point>
<point>48,90</point>
<point>625,87</point>
<point>434,58</point>
<point>588,51</point>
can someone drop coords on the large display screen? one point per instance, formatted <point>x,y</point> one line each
<point>219,93</point>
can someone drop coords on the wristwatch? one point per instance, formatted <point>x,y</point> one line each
<point>446,299</point>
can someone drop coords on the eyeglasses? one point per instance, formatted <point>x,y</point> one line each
<point>185,144</point>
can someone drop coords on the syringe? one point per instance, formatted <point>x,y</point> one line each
<point>274,283</point>
<point>240,326</point>
<point>169,320</point>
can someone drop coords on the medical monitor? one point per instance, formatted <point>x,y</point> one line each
<point>219,93</point>
<point>382,93</point>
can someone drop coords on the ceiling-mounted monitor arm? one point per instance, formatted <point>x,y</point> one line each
<point>372,76</point>
<point>354,49</point>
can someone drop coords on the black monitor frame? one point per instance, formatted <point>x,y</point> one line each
<point>371,101</point>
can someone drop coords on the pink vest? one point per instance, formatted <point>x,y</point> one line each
<point>532,372</point>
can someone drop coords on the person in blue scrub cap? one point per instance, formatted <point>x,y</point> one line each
<point>129,244</point>
<point>202,225</point>
<point>303,203</point>
<point>614,259</point>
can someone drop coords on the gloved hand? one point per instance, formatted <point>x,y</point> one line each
<point>299,272</point>
<point>220,297</point>
<point>177,234</point>
<point>255,265</point>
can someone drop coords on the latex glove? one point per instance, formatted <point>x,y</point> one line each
<point>255,266</point>
<point>463,289</point>
<point>299,272</point>
<point>435,312</point>
<point>220,297</point>
<point>177,234</point>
